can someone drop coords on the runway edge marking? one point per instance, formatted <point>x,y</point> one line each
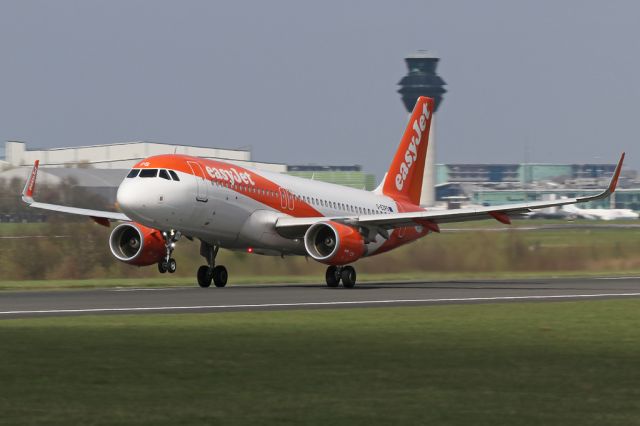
<point>301,304</point>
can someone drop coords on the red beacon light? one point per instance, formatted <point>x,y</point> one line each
<point>250,250</point>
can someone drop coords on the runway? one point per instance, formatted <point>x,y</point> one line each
<point>304,296</point>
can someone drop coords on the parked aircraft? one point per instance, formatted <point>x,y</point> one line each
<point>227,206</point>
<point>600,214</point>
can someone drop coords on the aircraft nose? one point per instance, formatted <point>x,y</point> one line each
<point>128,197</point>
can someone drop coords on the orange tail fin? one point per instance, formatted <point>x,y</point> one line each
<point>404,178</point>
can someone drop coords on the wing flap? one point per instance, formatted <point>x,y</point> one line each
<point>79,211</point>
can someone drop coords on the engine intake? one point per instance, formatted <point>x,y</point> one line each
<point>334,243</point>
<point>137,245</point>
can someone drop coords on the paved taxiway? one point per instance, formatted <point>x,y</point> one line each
<point>290,296</point>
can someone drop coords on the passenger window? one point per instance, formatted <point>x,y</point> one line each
<point>133,173</point>
<point>148,173</point>
<point>163,174</point>
<point>174,175</point>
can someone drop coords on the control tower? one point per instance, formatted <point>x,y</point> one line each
<point>422,80</point>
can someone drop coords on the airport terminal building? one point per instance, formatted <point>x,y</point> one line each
<point>120,155</point>
<point>100,169</point>
<point>495,184</point>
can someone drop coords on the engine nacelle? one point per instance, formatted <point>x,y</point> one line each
<point>137,245</point>
<point>334,243</point>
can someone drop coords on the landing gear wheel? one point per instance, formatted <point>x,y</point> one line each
<point>204,276</point>
<point>172,266</point>
<point>348,277</point>
<point>220,276</point>
<point>167,264</point>
<point>211,271</point>
<point>332,276</point>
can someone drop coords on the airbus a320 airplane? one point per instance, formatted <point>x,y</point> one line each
<point>227,206</point>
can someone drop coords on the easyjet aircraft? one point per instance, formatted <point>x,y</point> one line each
<point>227,206</point>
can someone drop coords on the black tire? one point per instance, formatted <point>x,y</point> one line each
<point>348,277</point>
<point>204,276</point>
<point>162,267</point>
<point>332,276</point>
<point>172,266</point>
<point>220,276</point>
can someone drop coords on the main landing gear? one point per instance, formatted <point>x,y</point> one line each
<point>209,272</point>
<point>168,264</point>
<point>346,274</point>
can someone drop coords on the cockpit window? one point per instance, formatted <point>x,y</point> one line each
<point>133,173</point>
<point>174,175</point>
<point>148,173</point>
<point>163,174</point>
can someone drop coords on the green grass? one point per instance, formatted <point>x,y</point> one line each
<point>169,281</point>
<point>474,252</point>
<point>506,364</point>
<point>7,229</point>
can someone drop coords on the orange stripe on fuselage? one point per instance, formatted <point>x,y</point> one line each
<point>238,179</point>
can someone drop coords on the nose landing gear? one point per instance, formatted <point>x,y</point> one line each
<point>168,264</point>
<point>346,274</point>
<point>209,272</point>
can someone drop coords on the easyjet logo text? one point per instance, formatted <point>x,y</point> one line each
<point>411,154</point>
<point>231,175</point>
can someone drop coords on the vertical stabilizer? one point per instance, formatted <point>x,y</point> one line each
<point>404,178</point>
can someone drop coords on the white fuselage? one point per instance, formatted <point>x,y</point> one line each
<point>241,215</point>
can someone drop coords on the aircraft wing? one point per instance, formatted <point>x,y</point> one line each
<point>296,227</point>
<point>101,217</point>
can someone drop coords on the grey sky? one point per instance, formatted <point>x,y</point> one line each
<point>315,82</point>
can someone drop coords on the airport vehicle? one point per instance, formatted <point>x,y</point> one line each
<point>600,214</point>
<point>166,197</point>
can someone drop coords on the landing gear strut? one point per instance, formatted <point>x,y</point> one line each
<point>168,264</point>
<point>209,272</point>
<point>346,274</point>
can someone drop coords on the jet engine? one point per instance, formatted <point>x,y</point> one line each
<point>137,245</point>
<point>334,243</point>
